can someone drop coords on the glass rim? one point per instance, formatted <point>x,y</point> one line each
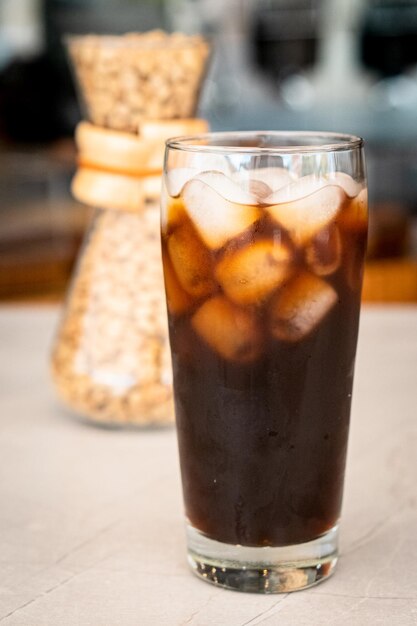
<point>326,141</point>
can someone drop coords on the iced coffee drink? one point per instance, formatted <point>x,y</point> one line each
<point>263,241</point>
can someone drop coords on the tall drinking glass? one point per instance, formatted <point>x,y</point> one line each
<point>263,242</point>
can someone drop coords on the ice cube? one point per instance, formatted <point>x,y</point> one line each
<point>297,189</point>
<point>226,187</point>
<point>172,211</point>
<point>355,214</point>
<point>251,273</point>
<point>216,217</point>
<point>178,300</point>
<point>300,306</point>
<point>229,330</point>
<point>263,181</point>
<point>191,261</point>
<point>305,216</point>
<point>176,178</point>
<point>304,186</point>
<point>259,189</point>
<point>274,177</point>
<point>323,254</point>
<point>350,186</point>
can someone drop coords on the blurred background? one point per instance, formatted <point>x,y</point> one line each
<point>341,65</point>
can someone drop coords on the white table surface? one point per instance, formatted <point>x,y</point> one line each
<point>90,519</point>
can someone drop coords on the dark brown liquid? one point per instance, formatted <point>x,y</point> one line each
<point>263,445</point>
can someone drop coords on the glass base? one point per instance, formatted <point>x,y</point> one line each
<point>262,570</point>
